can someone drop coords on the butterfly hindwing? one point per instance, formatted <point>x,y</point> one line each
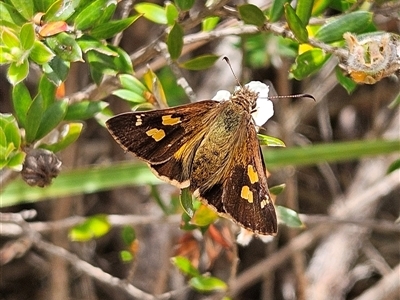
<point>246,197</point>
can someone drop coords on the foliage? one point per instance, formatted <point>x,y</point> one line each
<point>50,37</point>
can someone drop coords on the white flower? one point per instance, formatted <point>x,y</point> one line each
<point>264,109</point>
<point>245,236</point>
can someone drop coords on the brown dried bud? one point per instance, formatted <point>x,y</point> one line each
<point>40,167</point>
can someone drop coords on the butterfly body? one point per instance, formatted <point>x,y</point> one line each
<point>210,147</point>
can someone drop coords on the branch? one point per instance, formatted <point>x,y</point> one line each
<point>382,226</point>
<point>388,286</point>
<point>115,221</point>
<point>79,264</point>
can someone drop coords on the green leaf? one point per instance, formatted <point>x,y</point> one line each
<point>10,14</point>
<point>207,284</point>
<point>320,6</point>
<point>209,23</point>
<point>40,53</point>
<point>60,10</point>
<point>90,15</point>
<point>11,132</point>
<point>80,181</point>
<point>200,62</point>
<point>126,256</point>
<point>56,70</point>
<point>48,91</point>
<point>84,110</point>
<point>395,102</point>
<point>18,72</point>
<point>277,189</point>
<point>27,36</point>
<point>354,22</point>
<point>314,154</point>
<point>394,166</point>
<point>295,24</point>
<point>128,235</point>
<point>107,30</point>
<point>152,12</point>
<point>155,87</point>
<point>204,216</point>
<point>33,118</point>
<point>5,55</point>
<point>288,217</point>
<point>131,83</point>
<point>184,4</point>
<point>308,63</point>
<point>129,96</point>
<point>270,141</point>
<point>303,10</point>
<point>21,102</point>
<point>9,38</point>
<point>186,200</point>
<point>175,41</point>
<point>65,46</point>
<point>52,117</point>
<point>44,5</point>
<point>87,43</point>
<point>345,81</point>
<point>171,13</point>
<point>122,61</point>
<point>252,15</point>
<point>185,266</point>
<point>70,135</point>
<point>108,12</point>
<point>277,9</point>
<point>16,161</point>
<point>92,227</point>
<point>24,7</point>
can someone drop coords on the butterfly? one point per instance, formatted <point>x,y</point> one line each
<point>212,148</point>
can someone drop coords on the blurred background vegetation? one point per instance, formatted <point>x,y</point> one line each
<point>80,219</point>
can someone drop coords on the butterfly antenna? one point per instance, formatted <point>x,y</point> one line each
<point>293,96</point>
<point>234,75</point>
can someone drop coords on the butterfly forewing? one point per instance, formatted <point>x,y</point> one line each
<point>163,138</point>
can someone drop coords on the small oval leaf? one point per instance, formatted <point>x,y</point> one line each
<point>303,10</point>
<point>354,22</point>
<point>200,62</point>
<point>276,11</point>
<point>21,102</point>
<point>308,63</point>
<point>51,118</point>
<point>184,4</point>
<point>84,110</point>
<point>295,24</point>
<point>175,41</point>
<point>152,12</point>
<point>252,15</point>
<point>288,217</point>
<point>27,36</point>
<point>208,284</point>
<point>185,266</point>
<point>70,135</point>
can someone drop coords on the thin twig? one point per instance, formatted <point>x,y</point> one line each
<point>81,265</point>
<point>53,226</point>
<point>381,226</point>
<point>388,286</point>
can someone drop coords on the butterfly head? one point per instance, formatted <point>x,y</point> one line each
<point>253,97</point>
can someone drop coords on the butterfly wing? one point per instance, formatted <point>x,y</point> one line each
<point>165,138</point>
<point>246,197</point>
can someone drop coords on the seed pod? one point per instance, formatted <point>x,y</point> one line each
<point>40,167</point>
